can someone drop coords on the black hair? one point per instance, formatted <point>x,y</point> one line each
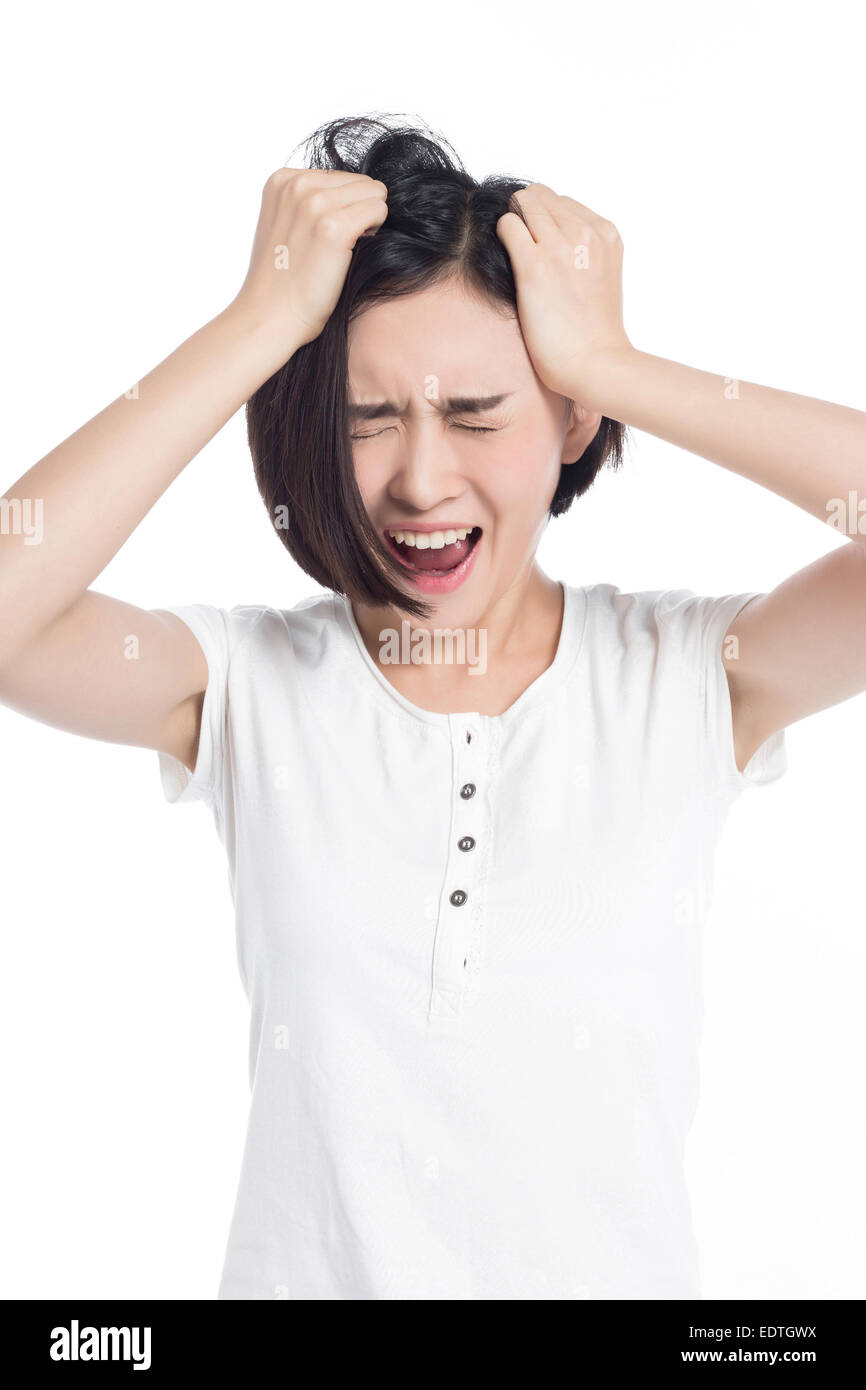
<point>441,226</point>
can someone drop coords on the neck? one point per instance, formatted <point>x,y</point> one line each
<point>518,632</point>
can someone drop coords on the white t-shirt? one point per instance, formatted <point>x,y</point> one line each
<point>480,1096</point>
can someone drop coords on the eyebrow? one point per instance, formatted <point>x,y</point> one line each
<point>451,405</point>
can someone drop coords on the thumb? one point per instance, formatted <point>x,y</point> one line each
<point>515,236</point>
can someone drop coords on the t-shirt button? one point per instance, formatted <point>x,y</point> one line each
<point>467,790</point>
<point>466,843</point>
<point>458,898</point>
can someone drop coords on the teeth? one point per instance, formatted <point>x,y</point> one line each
<point>431,540</point>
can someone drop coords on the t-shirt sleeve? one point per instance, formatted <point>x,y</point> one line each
<point>218,632</point>
<point>694,630</point>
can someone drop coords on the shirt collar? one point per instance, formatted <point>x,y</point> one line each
<point>567,651</point>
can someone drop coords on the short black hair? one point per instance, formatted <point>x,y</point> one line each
<point>441,226</point>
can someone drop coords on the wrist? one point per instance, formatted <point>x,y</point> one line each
<point>271,343</point>
<point>599,383</point>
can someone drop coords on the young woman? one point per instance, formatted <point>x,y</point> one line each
<point>469,891</point>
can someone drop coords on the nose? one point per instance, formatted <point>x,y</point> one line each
<point>426,468</point>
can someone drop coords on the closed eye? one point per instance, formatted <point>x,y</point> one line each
<point>473,429</point>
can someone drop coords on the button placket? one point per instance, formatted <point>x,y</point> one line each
<point>458,913</point>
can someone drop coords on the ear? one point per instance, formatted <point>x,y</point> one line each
<point>582,426</point>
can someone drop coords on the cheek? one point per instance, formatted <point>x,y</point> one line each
<point>519,478</point>
<point>370,475</point>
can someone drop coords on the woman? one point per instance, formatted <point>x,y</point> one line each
<point>470,878</point>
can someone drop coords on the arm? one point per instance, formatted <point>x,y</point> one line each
<point>802,647</point>
<point>64,649</point>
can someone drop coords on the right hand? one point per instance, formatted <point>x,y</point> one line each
<point>309,222</point>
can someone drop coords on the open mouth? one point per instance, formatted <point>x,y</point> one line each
<point>437,560</point>
<point>434,552</point>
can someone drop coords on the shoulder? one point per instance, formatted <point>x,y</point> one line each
<point>310,623</point>
<point>665,631</point>
<point>634,618</point>
<point>234,637</point>
<point>304,643</point>
<point>659,614</point>
<point>659,662</point>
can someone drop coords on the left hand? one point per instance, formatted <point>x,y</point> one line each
<point>567,267</point>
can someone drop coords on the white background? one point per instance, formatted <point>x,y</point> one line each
<point>726,143</point>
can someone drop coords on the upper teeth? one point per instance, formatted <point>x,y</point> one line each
<point>431,540</point>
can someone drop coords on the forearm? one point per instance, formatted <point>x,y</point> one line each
<point>809,451</point>
<point>86,497</point>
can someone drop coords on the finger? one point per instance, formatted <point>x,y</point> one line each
<point>344,193</point>
<point>515,237</point>
<point>320,180</point>
<point>536,203</point>
<point>538,193</point>
<point>334,176</point>
<point>564,211</point>
<point>364,217</point>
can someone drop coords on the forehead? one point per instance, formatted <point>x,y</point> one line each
<point>441,332</point>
